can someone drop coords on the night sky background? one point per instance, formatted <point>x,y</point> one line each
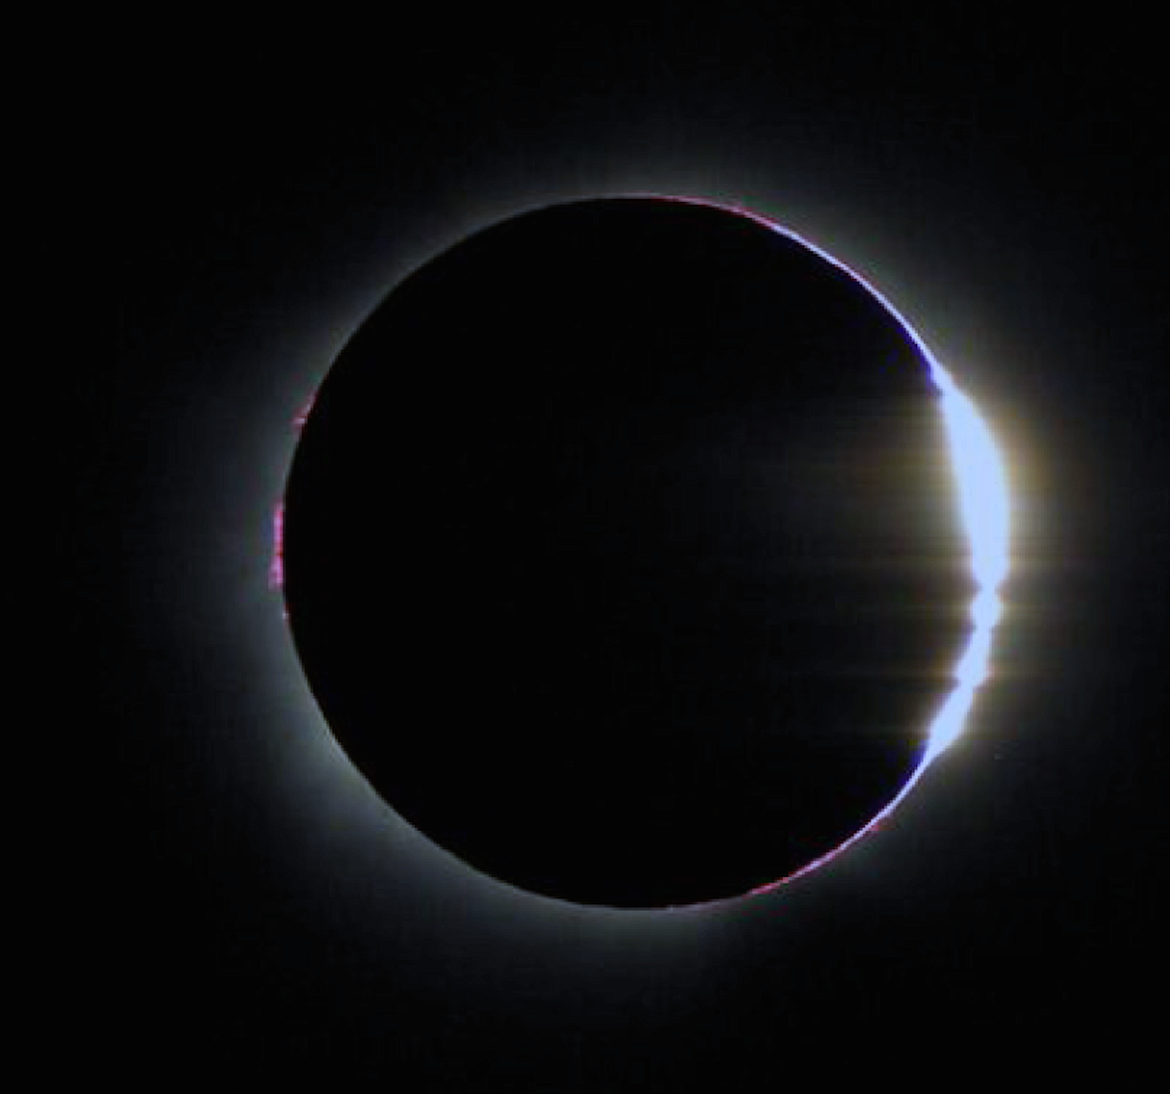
<point>253,910</point>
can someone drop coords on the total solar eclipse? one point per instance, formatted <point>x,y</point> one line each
<point>639,553</point>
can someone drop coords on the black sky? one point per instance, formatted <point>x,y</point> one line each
<point>258,914</point>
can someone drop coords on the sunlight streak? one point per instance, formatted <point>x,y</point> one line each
<point>981,480</point>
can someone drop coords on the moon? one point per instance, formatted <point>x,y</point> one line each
<point>640,554</point>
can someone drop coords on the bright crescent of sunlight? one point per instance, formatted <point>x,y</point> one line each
<point>981,480</point>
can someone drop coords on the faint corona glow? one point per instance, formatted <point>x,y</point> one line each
<point>276,565</point>
<point>302,415</point>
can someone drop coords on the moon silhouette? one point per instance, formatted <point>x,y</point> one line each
<point>623,555</point>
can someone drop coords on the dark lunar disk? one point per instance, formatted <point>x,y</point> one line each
<point>621,555</point>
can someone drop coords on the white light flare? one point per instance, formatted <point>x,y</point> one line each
<point>984,503</point>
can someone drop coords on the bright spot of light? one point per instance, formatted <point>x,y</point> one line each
<point>981,481</point>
